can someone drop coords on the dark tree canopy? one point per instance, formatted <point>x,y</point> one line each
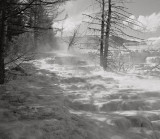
<point>30,17</point>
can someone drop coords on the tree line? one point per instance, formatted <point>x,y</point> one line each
<point>25,19</point>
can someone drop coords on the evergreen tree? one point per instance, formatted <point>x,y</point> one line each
<point>18,16</point>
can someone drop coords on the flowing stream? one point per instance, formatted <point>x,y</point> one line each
<point>128,104</point>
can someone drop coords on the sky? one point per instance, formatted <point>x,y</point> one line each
<point>145,11</point>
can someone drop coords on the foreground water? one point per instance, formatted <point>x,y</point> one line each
<point>126,105</point>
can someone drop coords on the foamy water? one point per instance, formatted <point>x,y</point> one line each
<point>123,101</point>
<point>125,81</point>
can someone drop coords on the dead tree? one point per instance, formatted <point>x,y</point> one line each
<point>73,38</point>
<point>116,20</point>
<point>107,35</point>
<point>102,32</point>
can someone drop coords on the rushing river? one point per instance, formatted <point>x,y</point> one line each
<point>128,104</point>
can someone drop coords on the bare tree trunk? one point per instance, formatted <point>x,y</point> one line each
<point>35,26</point>
<point>35,39</point>
<point>102,34</point>
<point>2,42</point>
<point>73,39</point>
<point>106,49</point>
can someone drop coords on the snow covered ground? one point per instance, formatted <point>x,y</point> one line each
<point>71,97</point>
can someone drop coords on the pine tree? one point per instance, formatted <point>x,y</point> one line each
<point>18,17</point>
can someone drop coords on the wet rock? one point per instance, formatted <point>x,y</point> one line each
<point>156,125</point>
<point>73,87</point>
<point>140,121</point>
<point>114,96</point>
<point>135,105</point>
<point>73,80</point>
<point>112,105</point>
<point>75,105</point>
<point>121,123</point>
<point>98,87</point>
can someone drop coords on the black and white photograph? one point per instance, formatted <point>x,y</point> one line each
<point>79,69</point>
